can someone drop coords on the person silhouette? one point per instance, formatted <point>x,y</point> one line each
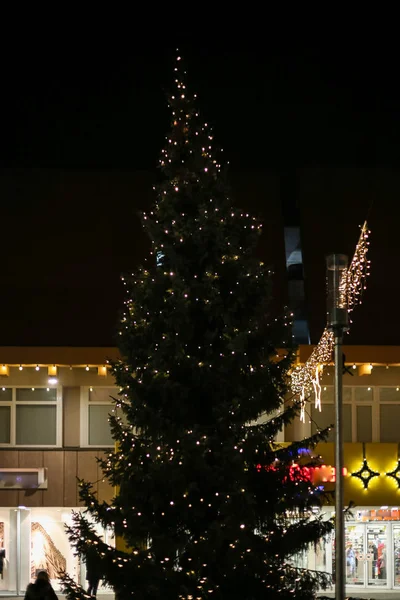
<point>93,573</point>
<point>41,589</point>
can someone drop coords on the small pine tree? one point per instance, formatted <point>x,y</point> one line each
<point>206,503</point>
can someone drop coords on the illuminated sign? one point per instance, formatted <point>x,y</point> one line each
<point>325,474</point>
<point>380,514</point>
<point>316,475</point>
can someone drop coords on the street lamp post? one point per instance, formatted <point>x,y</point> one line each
<point>337,322</point>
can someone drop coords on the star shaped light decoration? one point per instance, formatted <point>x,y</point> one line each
<point>395,473</point>
<point>365,474</point>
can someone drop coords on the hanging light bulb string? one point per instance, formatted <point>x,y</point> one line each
<point>305,379</point>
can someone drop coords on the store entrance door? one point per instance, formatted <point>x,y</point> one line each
<point>355,551</point>
<point>367,555</point>
<point>396,555</point>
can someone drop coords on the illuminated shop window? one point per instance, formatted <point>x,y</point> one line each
<point>34,539</point>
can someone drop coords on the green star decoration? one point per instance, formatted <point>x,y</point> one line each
<point>365,474</point>
<point>395,473</point>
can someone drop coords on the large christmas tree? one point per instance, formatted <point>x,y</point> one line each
<point>206,503</point>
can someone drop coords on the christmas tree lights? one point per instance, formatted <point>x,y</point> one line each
<point>198,368</point>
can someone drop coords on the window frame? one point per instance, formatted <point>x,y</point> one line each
<point>85,403</point>
<point>374,403</point>
<point>13,403</point>
<point>381,402</point>
<point>325,403</point>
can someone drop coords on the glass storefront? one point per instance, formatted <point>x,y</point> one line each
<point>372,546</point>
<point>396,555</point>
<point>34,539</point>
<point>366,555</point>
<point>8,551</point>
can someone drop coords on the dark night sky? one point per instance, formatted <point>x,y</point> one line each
<point>81,130</point>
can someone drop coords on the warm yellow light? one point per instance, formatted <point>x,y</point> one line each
<point>365,370</point>
<point>52,371</point>
<point>4,370</point>
<point>102,371</point>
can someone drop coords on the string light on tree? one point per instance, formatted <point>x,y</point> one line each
<point>198,368</point>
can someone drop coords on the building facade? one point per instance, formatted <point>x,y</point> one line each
<point>54,407</point>
<point>372,466</point>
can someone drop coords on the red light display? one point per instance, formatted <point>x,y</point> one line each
<point>316,475</point>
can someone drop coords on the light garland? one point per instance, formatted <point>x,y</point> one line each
<point>302,406</point>
<point>358,271</point>
<point>305,379</point>
<point>317,389</point>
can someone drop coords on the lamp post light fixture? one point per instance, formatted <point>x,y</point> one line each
<point>337,323</point>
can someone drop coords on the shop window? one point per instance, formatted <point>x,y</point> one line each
<point>396,553</point>
<point>8,555</point>
<point>30,416</point>
<point>389,422</point>
<point>33,540</point>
